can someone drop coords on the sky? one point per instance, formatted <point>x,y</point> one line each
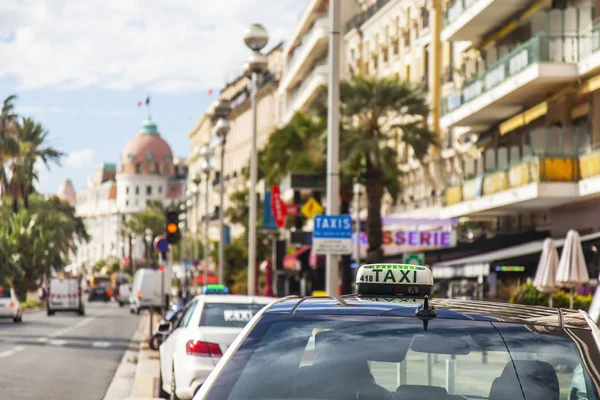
<point>81,67</point>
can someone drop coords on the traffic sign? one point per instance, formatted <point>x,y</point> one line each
<point>414,259</point>
<point>268,218</point>
<point>278,206</point>
<point>332,234</point>
<point>161,244</point>
<point>311,208</point>
<point>292,209</point>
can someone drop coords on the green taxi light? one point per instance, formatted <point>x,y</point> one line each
<point>394,280</point>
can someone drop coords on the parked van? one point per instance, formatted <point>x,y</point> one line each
<point>146,290</point>
<point>64,294</point>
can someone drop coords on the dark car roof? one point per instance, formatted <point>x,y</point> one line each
<point>446,308</point>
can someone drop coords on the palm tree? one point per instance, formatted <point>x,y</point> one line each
<point>8,144</point>
<point>377,114</point>
<point>33,146</point>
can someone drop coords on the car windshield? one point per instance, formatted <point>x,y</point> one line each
<point>4,292</point>
<point>293,357</point>
<point>232,315</point>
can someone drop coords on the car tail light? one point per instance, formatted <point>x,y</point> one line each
<point>119,294</point>
<point>203,349</point>
<point>12,304</point>
<point>139,295</point>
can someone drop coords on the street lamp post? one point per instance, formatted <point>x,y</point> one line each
<point>256,38</point>
<point>206,152</point>
<point>333,139</point>
<point>196,179</point>
<point>221,130</point>
<point>148,238</point>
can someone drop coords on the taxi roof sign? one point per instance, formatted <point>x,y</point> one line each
<point>393,280</point>
<point>215,289</point>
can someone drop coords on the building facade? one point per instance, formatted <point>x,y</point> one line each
<point>147,172</point>
<point>238,145</point>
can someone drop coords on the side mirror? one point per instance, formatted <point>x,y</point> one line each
<point>165,328</point>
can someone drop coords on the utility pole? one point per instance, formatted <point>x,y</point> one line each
<point>333,139</point>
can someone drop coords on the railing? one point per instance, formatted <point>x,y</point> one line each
<point>359,19</point>
<point>540,48</point>
<point>321,23</point>
<point>534,169</point>
<point>320,69</point>
<point>596,37</point>
<point>456,9</point>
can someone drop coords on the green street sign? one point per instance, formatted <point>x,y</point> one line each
<point>414,259</point>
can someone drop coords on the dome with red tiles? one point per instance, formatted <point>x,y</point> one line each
<point>147,152</point>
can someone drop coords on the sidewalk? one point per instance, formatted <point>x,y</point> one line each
<point>137,377</point>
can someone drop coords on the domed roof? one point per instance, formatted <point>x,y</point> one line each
<point>66,192</point>
<point>147,146</point>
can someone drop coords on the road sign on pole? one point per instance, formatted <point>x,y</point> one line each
<point>161,244</point>
<point>278,206</point>
<point>332,234</point>
<point>414,259</point>
<point>311,208</point>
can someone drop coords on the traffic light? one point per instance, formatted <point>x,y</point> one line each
<point>173,233</point>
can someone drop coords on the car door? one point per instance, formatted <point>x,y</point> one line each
<point>168,347</point>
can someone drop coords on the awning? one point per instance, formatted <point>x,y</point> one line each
<point>479,265</point>
<point>292,261</point>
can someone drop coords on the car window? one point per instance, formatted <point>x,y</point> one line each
<point>187,315</point>
<point>291,355</point>
<point>230,315</point>
<point>4,292</point>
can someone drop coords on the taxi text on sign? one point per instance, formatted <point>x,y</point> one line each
<point>332,234</point>
<point>311,208</point>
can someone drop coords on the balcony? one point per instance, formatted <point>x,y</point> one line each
<point>313,47</point>
<point>546,176</point>
<point>306,92</point>
<point>540,65</point>
<point>591,53</point>
<point>471,19</point>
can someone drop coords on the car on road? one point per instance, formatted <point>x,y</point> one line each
<point>10,306</point>
<point>123,294</point>
<point>99,293</point>
<point>65,294</point>
<point>146,290</point>
<point>208,326</point>
<point>391,341</point>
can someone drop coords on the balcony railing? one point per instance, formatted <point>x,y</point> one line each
<point>456,9</point>
<point>552,155</point>
<point>298,55</point>
<point>540,48</point>
<point>359,19</point>
<point>320,69</point>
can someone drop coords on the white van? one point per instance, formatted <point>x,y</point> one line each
<point>65,295</point>
<point>146,290</point>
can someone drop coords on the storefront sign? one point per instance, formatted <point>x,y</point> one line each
<point>403,241</point>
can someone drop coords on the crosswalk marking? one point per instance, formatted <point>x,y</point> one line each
<point>101,344</point>
<point>57,342</point>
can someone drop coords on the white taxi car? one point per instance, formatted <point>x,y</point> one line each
<point>10,307</point>
<point>208,326</point>
<point>391,341</point>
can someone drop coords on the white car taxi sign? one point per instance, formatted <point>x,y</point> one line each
<point>394,279</point>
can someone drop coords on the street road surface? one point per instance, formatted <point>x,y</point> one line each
<point>64,357</point>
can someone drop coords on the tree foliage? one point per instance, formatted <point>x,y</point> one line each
<point>377,115</point>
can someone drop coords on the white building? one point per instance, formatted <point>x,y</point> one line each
<point>148,172</point>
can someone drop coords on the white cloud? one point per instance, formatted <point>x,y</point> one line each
<point>174,46</point>
<point>80,158</point>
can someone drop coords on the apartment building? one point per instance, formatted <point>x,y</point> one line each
<point>305,57</point>
<point>238,145</point>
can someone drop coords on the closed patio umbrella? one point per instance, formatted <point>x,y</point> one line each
<point>546,270</point>
<point>572,270</point>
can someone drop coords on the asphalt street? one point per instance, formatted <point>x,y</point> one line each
<point>66,356</point>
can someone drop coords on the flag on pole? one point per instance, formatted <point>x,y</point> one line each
<point>146,102</point>
<point>210,92</point>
